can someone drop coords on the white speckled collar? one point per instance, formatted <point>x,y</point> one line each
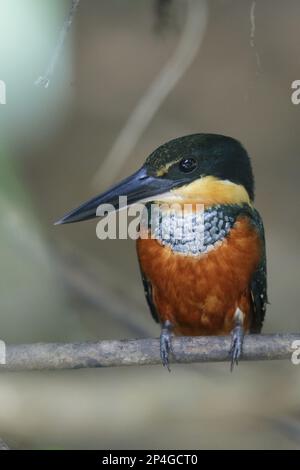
<point>193,233</point>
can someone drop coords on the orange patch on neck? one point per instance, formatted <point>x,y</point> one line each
<point>210,190</point>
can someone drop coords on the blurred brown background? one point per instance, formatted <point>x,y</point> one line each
<point>63,284</point>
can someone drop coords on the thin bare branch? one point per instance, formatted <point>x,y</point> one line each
<point>44,80</point>
<point>252,34</point>
<point>137,352</point>
<point>138,121</point>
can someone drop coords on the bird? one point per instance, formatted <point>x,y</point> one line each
<point>211,280</point>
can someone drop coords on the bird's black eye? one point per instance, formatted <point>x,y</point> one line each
<point>187,165</point>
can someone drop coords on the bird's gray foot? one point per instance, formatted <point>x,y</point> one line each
<point>166,344</point>
<point>236,349</point>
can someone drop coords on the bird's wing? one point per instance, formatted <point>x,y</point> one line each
<point>149,295</point>
<point>259,280</point>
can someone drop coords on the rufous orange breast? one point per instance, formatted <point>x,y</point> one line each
<point>199,295</point>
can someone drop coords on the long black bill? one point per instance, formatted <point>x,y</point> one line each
<point>136,187</point>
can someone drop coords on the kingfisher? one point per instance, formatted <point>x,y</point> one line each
<point>212,280</point>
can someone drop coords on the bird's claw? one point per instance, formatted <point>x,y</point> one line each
<point>236,347</point>
<point>166,344</point>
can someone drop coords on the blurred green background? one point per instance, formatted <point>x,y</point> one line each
<point>63,284</point>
